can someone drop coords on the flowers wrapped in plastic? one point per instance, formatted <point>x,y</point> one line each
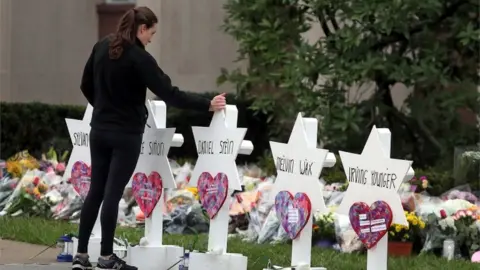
<point>461,226</point>
<point>324,229</point>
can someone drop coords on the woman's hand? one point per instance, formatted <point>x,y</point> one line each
<point>218,103</point>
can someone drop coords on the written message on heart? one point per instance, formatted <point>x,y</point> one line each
<point>370,223</point>
<point>147,191</point>
<point>213,192</point>
<point>293,212</point>
<point>80,178</point>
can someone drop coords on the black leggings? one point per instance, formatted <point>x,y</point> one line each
<point>114,157</point>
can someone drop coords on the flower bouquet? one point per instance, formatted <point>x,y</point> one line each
<point>401,237</point>
<point>402,233</point>
<point>419,185</point>
<point>31,200</point>
<point>50,161</point>
<point>324,230</point>
<point>461,227</point>
<point>468,235</point>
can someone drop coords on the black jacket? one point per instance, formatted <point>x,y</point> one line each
<point>117,89</point>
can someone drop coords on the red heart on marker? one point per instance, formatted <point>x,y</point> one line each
<point>147,191</point>
<point>80,178</point>
<point>370,223</point>
<point>212,192</point>
<point>293,212</point>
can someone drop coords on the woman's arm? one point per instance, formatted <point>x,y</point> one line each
<point>87,84</point>
<point>160,84</point>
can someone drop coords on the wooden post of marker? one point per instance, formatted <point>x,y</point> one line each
<point>302,246</point>
<point>154,224</point>
<point>377,256</point>
<point>216,257</point>
<point>151,254</point>
<point>218,231</point>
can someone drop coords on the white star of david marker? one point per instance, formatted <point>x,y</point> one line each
<point>154,152</point>
<point>299,166</point>
<point>374,176</point>
<point>217,147</point>
<point>80,135</point>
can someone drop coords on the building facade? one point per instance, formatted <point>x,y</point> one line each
<point>44,45</point>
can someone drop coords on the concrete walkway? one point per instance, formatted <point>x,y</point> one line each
<point>16,256</point>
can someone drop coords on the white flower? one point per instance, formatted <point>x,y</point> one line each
<point>446,223</point>
<point>450,222</point>
<point>443,225</point>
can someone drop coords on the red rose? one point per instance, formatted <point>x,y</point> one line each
<point>36,180</point>
<point>443,214</point>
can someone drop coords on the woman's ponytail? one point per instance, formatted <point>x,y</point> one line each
<point>126,32</point>
<point>127,29</point>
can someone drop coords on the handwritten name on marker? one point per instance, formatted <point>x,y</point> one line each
<point>286,164</point>
<point>225,147</point>
<point>379,179</point>
<point>80,139</point>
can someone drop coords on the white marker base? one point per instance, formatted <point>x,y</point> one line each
<point>93,248</point>
<point>208,261</point>
<point>154,257</point>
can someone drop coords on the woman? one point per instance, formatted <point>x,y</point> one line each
<point>114,81</point>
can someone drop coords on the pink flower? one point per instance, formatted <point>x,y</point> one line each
<point>443,214</point>
<point>469,213</point>
<point>60,167</point>
<point>423,178</point>
<point>461,213</point>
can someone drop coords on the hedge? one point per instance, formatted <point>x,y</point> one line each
<point>36,126</point>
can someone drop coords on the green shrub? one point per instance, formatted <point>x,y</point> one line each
<point>34,126</point>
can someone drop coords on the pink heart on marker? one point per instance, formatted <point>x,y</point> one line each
<point>293,212</point>
<point>370,223</point>
<point>213,192</point>
<point>147,191</point>
<point>80,178</point>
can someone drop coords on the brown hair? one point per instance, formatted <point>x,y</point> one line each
<point>127,29</point>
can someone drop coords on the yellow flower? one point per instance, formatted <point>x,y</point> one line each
<point>422,224</point>
<point>398,228</point>
<point>414,222</point>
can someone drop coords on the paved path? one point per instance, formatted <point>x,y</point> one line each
<point>16,256</point>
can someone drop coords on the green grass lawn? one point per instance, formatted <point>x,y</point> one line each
<point>45,232</point>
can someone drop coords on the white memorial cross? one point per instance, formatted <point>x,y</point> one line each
<point>299,164</point>
<point>151,253</point>
<point>366,185</point>
<point>217,147</point>
<point>80,135</point>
